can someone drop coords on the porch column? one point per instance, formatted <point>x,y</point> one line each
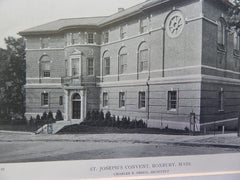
<point>66,92</point>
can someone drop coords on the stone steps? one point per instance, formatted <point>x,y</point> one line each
<point>55,127</point>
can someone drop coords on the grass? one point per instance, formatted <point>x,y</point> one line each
<point>83,129</point>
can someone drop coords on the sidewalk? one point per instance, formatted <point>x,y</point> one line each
<point>220,140</point>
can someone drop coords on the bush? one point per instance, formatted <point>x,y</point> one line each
<point>59,115</point>
<point>96,118</point>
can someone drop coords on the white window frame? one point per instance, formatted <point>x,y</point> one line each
<point>72,69</point>
<point>90,40</point>
<point>221,100</point>
<point>143,62</point>
<point>171,101</point>
<point>105,99</point>
<point>141,99</point>
<point>122,99</point>
<point>122,63</point>
<point>44,99</point>
<point>143,25</point>
<point>90,68</point>
<point>106,68</point>
<point>106,37</point>
<point>123,31</point>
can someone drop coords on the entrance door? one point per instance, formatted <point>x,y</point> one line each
<point>76,106</point>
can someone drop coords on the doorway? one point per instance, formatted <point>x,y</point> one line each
<point>76,106</point>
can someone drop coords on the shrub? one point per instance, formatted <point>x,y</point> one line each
<point>59,115</point>
<point>44,116</point>
<point>50,117</point>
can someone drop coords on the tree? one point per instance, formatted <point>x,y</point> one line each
<point>233,17</point>
<point>13,79</point>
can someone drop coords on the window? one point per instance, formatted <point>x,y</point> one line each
<point>143,57</point>
<point>121,99</point>
<point>105,99</point>
<point>75,38</point>
<point>143,25</point>
<point>45,67</point>
<point>123,32</point>
<point>60,100</point>
<point>90,66</point>
<point>123,63</point>
<point>236,44</point>
<point>106,36</point>
<point>221,100</point>
<point>90,38</point>
<point>75,66</point>
<point>44,99</point>
<point>143,60</point>
<point>172,100</point>
<point>66,67</point>
<point>44,43</point>
<point>141,100</point>
<point>46,73</point>
<point>106,65</point>
<point>221,34</point>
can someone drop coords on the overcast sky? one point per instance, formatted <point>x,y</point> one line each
<point>18,15</point>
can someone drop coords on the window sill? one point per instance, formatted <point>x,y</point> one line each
<point>172,111</point>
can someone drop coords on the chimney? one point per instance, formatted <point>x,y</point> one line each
<point>120,9</point>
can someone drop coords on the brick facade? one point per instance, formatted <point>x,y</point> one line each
<point>169,53</point>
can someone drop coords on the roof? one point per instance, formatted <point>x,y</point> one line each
<point>61,24</point>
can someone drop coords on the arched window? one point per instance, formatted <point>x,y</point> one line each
<point>106,63</point>
<point>222,32</point>
<point>143,57</point>
<point>45,67</point>
<point>122,60</point>
<point>236,41</point>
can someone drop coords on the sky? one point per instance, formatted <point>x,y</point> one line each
<point>18,15</point>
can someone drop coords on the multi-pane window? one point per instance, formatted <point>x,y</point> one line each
<point>75,66</point>
<point>221,100</point>
<point>75,38</point>
<point>44,99</point>
<point>236,41</point>
<point>90,38</point>
<point>143,25</point>
<point>44,43</point>
<point>106,37</point>
<point>46,73</point>
<point>60,100</point>
<point>143,60</point>
<point>122,63</point>
<point>141,100</point>
<point>90,66</point>
<point>172,100</point>
<point>123,31</point>
<point>105,99</point>
<point>66,67</point>
<point>121,99</point>
<point>45,67</point>
<point>106,65</point>
<point>221,33</point>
